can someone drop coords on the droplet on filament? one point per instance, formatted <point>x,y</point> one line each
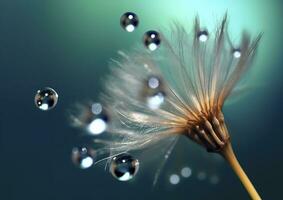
<point>124,167</point>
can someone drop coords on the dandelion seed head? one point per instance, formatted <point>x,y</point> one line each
<point>190,79</point>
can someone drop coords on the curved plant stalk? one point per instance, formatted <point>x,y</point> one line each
<point>229,155</point>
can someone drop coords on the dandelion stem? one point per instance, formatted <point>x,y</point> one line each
<point>228,153</point>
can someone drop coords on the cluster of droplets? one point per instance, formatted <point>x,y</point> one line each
<point>129,21</point>
<point>203,37</point>
<point>124,167</point>
<point>186,172</point>
<point>95,119</point>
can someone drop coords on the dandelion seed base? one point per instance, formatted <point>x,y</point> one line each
<point>211,133</point>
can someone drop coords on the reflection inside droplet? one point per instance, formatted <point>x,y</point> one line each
<point>124,167</point>
<point>46,99</point>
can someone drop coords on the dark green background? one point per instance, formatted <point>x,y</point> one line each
<point>67,44</point>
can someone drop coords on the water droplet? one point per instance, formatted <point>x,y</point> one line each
<point>129,21</point>
<point>186,172</point>
<point>237,53</point>
<point>83,157</point>
<point>203,36</point>
<point>46,99</point>
<point>97,126</point>
<point>201,176</point>
<point>214,179</point>
<point>174,179</point>
<point>152,40</point>
<point>156,100</point>
<point>97,122</point>
<point>96,108</point>
<point>124,167</point>
<point>153,82</point>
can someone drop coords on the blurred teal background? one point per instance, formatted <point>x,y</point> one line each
<point>67,45</point>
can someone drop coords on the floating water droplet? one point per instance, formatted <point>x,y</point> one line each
<point>155,101</point>
<point>129,21</point>
<point>83,157</point>
<point>201,176</point>
<point>124,167</point>
<point>203,36</point>
<point>237,53</point>
<point>174,179</point>
<point>152,40</point>
<point>46,99</point>
<point>96,108</point>
<point>153,82</point>
<point>214,179</point>
<point>186,172</point>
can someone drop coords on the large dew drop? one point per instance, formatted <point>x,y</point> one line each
<point>124,167</point>
<point>151,40</point>
<point>46,99</point>
<point>129,21</point>
<point>83,157</point>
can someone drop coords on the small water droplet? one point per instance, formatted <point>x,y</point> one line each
<point>201,176</point>
<point>124,167</point>
<point>186,172</point>
<point>96,108</point>
<point>46,99</point>
<point>129,21</point>
<point>203,36</point>
<point>152,40</point>
<point>174,179</point>
<point>153,82</point>
<point>156,100</point>
<point>214,179</point>
<point>237,53</point>
<point>83,157</point>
